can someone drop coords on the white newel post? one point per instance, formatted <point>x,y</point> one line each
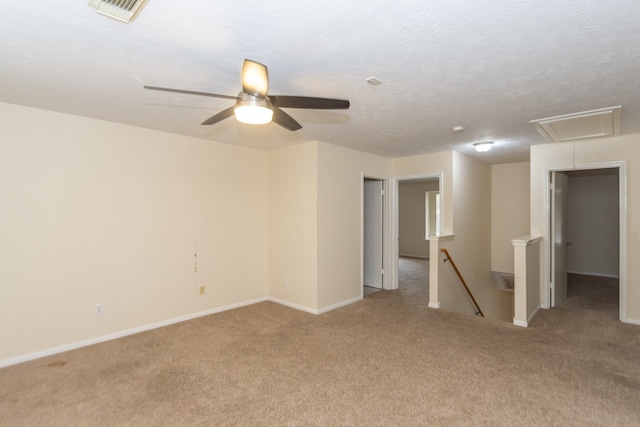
<point>526,279</point>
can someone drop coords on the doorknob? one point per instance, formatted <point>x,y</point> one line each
<point>568,243</point>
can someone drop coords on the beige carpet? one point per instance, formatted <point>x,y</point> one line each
<point>387,360</point>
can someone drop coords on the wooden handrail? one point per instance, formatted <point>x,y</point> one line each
<point>453,264</point>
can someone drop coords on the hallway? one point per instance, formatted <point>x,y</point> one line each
<point>413,280</point>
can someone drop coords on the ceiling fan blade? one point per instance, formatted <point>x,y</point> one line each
<point>224,114</point>
<point>285,120</point>
<point>255,78</point>
<point>309,102</point>
<point>190,92</point>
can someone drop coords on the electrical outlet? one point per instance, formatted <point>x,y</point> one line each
<point>201,290</point>
<point>285,282</point>
<point>99,309</point>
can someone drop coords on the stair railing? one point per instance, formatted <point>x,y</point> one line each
<point>453,264</point>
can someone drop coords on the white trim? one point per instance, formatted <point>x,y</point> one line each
<point>587,273</point>
<point>414,256</point>
<point>122,334</point>
<point>524,324</point>
<point>532,315</point>
<point>387,279</point>
<point>434,305</point>
<point>109,337</point>
<point>339,305</point>
<point>525,241</point>
<point>442,237</point>
<point>394,218</point>
<point>632,321</point>
<point>622,200</point>
<point>313,310</point>
<point>293,305</point>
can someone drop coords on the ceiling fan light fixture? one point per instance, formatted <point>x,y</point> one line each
<point>253,115</point>
<point>253,110</point>
<point>483,147</point>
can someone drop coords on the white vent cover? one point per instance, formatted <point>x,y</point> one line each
<point>588,124</point>
<point>122,10</point>
<point>504,281</point>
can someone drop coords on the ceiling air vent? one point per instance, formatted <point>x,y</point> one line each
<point>122,10</point>
<point>588,124</point>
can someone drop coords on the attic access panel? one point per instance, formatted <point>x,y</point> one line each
<point>587,124</point>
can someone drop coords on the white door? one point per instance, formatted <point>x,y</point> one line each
<point>372,234</point>
<point>559,243</point>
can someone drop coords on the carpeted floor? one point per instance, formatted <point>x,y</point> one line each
<point>387,360</point>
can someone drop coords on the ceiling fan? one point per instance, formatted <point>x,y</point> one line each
<point>254,106</point>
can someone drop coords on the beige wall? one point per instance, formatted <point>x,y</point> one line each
<point>590,154</point>
<point>594,222</point>
<point>472,242</point>
<point>466,205</point>
<point>315,223</point>
<point>412,215</point>
<point>97,212</point>
<point>293,225</point>
<point>341,175</point>
<point>509,211</point>
<point>431,165</point>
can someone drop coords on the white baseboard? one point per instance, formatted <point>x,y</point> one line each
<point>587,273</point>
<point>632,321</point>
<point>91,341</point>
<point>520,323</point>
<point>532,315</point>
<point>434,305</point>
<point>525,324</point>
<point>340,304</point>
<point>84,343</point>
<point>313,310</point>
<point>293,305</point>
<point>414,256</point>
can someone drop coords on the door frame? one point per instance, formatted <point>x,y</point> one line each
<point>622,239</point>
<point>386,216</point>
<point>394,229</point>
<point>559,286</point>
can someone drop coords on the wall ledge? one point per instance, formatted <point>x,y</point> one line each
<point>526,240</point>
<point>441,237</point>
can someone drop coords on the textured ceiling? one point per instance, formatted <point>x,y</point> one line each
<point>490,65</point>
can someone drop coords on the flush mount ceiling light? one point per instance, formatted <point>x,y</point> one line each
<point>373,81</point>
<point>252,109</point>
<point>482,147</point>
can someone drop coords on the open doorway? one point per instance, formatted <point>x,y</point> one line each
<point>419,216</point>
<point>585,243</point>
